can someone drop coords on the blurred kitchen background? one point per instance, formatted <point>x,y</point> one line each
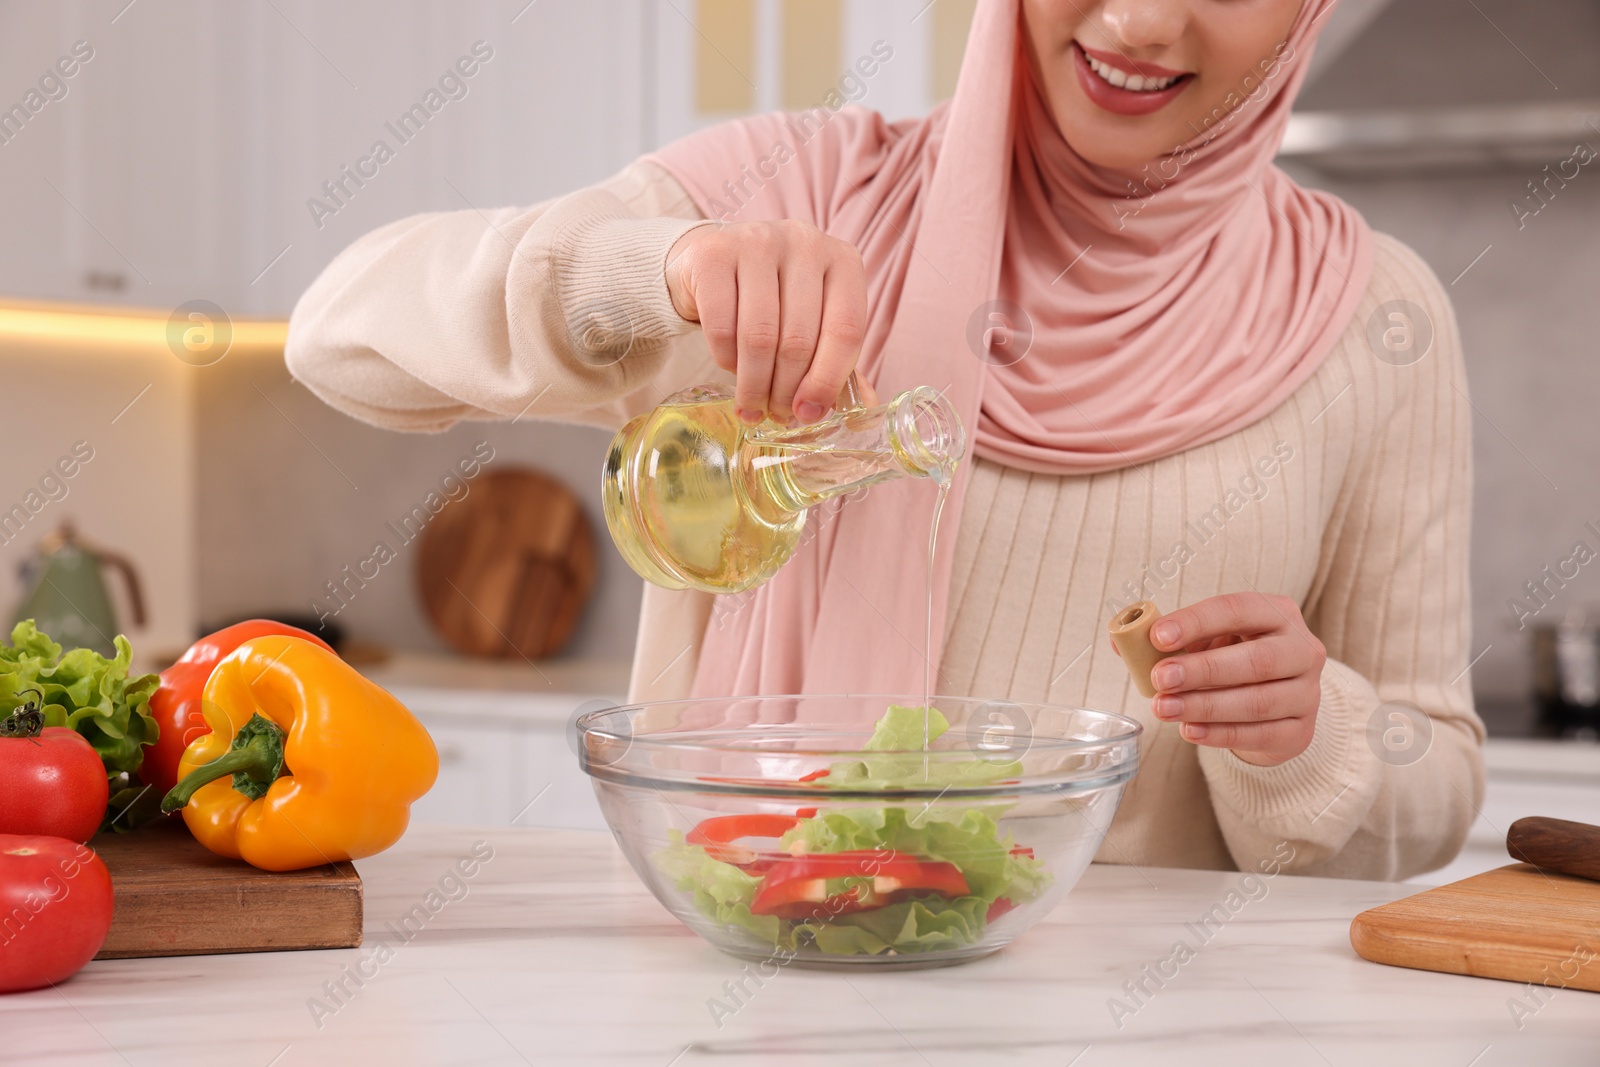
<point>166,201</point>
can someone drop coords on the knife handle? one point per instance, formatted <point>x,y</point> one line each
<point>1556,845</point>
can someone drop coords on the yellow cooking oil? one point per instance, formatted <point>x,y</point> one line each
<point>695,498</point>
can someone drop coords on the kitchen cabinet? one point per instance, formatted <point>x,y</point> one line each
<point>506,771</point>
<point>183,159</point>
<point>502,728</point>
<point>114,187</point>
<point>477,772</point>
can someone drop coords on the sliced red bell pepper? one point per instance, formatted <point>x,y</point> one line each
<point>800,885</point>
<point>998,908</point>
<point>716,835</point>
<point>853,899</point>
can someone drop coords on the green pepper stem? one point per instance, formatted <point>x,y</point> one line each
<point>255,761</point>
<point>25,720</point>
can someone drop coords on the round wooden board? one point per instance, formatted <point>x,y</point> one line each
<point>506,570</point>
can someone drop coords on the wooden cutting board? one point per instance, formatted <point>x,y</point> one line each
<point>1512,923</point>
<point>174,898</point>
<point>506,570</point>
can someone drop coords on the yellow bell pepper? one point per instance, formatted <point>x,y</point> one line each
<point>307,762</point>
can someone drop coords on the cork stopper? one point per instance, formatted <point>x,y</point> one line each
<point>1130,632</point>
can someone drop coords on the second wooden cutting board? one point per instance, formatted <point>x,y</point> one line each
<point>506,570</point>
<point>1518,923</point>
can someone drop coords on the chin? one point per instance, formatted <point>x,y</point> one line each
<point>1113,146</point>
<point>1115,159</point>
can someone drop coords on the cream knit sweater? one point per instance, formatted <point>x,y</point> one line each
<point>1353,498</point>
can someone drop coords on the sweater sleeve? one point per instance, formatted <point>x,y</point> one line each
<point>557,311</point>
<point>1393,777</point>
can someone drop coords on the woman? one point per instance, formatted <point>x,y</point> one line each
<point>1185,377</point>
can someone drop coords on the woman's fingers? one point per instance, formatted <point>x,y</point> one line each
<point>1245,703</point>
<point>1264,743</point>
<point>759,318</point>
<point>865,393</point>
<point>1250,678</point>
<point>1242,614</point>
<point>800,284</point>
<point>680,274</point>
<point>843,328</point>
<point>782,305</point>
<point>712,290</point>
<point>1260,659</point>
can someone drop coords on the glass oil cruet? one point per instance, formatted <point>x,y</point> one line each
<point>694,498</point>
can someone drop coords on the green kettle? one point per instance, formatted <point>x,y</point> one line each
<point>68,598</point>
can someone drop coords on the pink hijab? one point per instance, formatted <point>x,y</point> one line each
<point>1161,310</point>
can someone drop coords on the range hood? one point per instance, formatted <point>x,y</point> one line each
<point>1487,137</point>
<point>1400,86</point>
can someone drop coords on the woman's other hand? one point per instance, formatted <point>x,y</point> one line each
<point>1251,680</point>
<point>783,306</point>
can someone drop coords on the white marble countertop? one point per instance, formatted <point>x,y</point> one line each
<point>554,953</point>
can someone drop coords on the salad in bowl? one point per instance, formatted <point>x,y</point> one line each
<point>852,830</point>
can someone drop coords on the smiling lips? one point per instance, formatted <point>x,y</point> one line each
<point>1123,87</point>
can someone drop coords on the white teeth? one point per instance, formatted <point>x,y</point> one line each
<point>1132,82</point>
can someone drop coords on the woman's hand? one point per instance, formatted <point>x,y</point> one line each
<point>1251,679</point>
<point>783,306</point>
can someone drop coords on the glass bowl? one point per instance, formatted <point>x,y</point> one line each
<point>782,828</point>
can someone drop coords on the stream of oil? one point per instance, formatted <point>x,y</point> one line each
<point>944,480</point>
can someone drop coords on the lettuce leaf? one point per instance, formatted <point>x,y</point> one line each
<point>902,728</point>
<point>899,735</point>
<point>722,892</point>
<point>926,924</point>
<point>84,691</point>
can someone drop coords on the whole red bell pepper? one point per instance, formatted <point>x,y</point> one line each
<point>175,706</point>
<point>51,779</point>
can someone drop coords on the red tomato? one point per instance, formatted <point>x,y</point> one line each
<point>55,909</point>
<point>175,706</point>
<point>53,784</point>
